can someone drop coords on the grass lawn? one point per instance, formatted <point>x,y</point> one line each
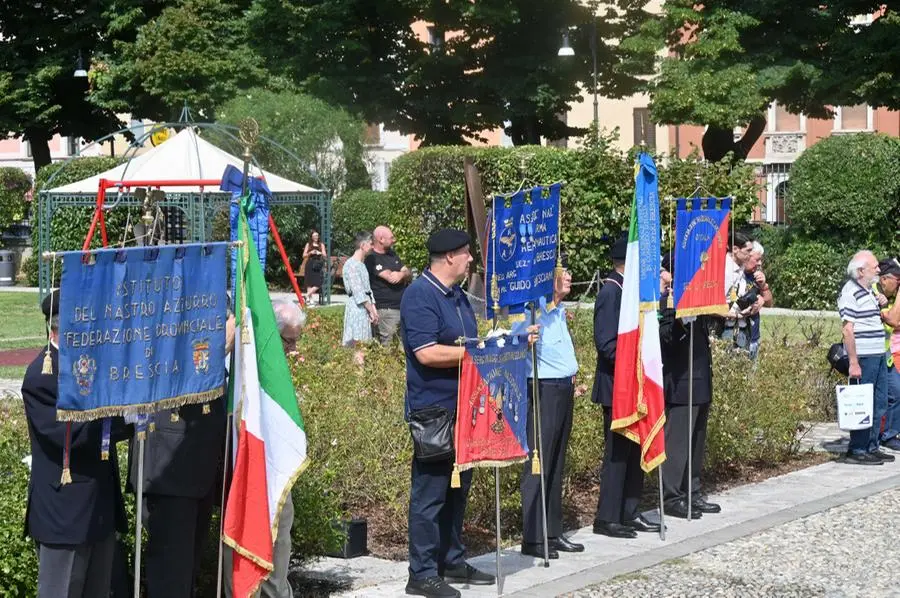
<point>800,328</point>
<point>12,372</point>
<point>21,322</point>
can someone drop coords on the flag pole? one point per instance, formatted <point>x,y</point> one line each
<point>690,428</point>
<point>139,510</point>
<point>662,515</point>
<point>220,574</point>
<point>536,413</point>
<point>497,523</point>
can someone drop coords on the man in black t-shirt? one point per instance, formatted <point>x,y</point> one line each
<point>388,278</point>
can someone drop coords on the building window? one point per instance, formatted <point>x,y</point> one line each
<point>373,134</point>
<point>854,118</point>
<point>73,146</point>
<point>786,122</point>
<point>644,129</point>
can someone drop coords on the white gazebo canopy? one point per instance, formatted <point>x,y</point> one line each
<point>186,156</point>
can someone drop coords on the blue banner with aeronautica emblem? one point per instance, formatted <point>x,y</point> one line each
<point>141,329</point>
<point>522,245</point>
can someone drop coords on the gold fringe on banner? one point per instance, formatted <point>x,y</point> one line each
<point>717,310</point>
<point>68,415</point>
<point>491,463</point>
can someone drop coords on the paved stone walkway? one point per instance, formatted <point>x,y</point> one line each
<point>848,551</point>
<point>10,389</point>
<point>747,510</point>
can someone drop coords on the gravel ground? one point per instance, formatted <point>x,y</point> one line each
<point>848,551</point>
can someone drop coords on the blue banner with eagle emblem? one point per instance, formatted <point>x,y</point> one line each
<point>141,329</point>
<point>521,249</point>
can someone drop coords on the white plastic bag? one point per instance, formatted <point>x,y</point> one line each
<point>854,406</point>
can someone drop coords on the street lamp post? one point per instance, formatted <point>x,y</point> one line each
<point>566,50</point>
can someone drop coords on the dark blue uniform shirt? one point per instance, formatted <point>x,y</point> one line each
<point>432,314</point>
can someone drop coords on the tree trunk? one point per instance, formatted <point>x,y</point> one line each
<point>718,141</point>
<point>39,140</point>
<point>524,131</point>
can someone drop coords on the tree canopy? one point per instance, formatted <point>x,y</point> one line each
<point>729,60</point>
<point>491,63</point>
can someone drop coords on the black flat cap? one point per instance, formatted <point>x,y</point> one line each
<point>46,304</point>
<point>619,248</point>
<point>447,240</point>
<point>889,266</point>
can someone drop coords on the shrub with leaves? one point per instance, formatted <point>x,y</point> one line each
<point>18,559</point>
<point>846,188</point>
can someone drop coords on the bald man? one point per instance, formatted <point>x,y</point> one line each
<point>388,278</point>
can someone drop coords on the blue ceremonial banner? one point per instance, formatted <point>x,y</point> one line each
<point>256,207</point>
<point>646,188</point>
<point>141,329</point>
<point>701,244</point>
<point>521,248</point>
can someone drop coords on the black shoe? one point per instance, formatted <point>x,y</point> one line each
<point>613,530</point>
<point>563,544</point>
<point>640,524</point>
<point>862,459</point>
<point>679,509</point>
<point>883,456</point>
<point>466,573</point>
<point>433,587</point>
<point>537,550</point>
<point>700,504</point>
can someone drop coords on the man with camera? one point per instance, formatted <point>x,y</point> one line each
<point>757,296</point>
<point>738,293</point>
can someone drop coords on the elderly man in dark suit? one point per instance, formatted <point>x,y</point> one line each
<point>74,524</point>
<point>622,478</point>
<point>183,461</point>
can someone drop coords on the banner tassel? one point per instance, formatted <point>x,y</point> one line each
<point>454,477</point>
<point>174,417</point>
<point>66,472</point>
<point>47,368</point>
<point>205,408</point>
<point>245,335</point>
<point>535,463</point>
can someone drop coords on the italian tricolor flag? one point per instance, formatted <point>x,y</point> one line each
<point>271,443</point>
<point>638,409</point>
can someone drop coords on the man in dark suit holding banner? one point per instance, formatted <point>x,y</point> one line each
<point>622,479</point>
<point>74,523</point>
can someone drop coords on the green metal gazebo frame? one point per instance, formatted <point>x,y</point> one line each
<point>199,209</point>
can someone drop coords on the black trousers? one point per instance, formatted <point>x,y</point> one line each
<point>436,514</point>
<point>675,467</point>
<point>622,479</point>
<point>177,528</point>
<point>557,402</point>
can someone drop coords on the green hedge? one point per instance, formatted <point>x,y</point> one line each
<point>846,188</point>
<point>804,274</point>
<point>427,192</point>
<point>355,211</point>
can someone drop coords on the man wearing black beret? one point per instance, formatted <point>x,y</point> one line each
<point>434,313</point>
<point>73,523</point>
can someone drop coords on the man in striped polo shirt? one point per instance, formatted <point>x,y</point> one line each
<point>864,341</point>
